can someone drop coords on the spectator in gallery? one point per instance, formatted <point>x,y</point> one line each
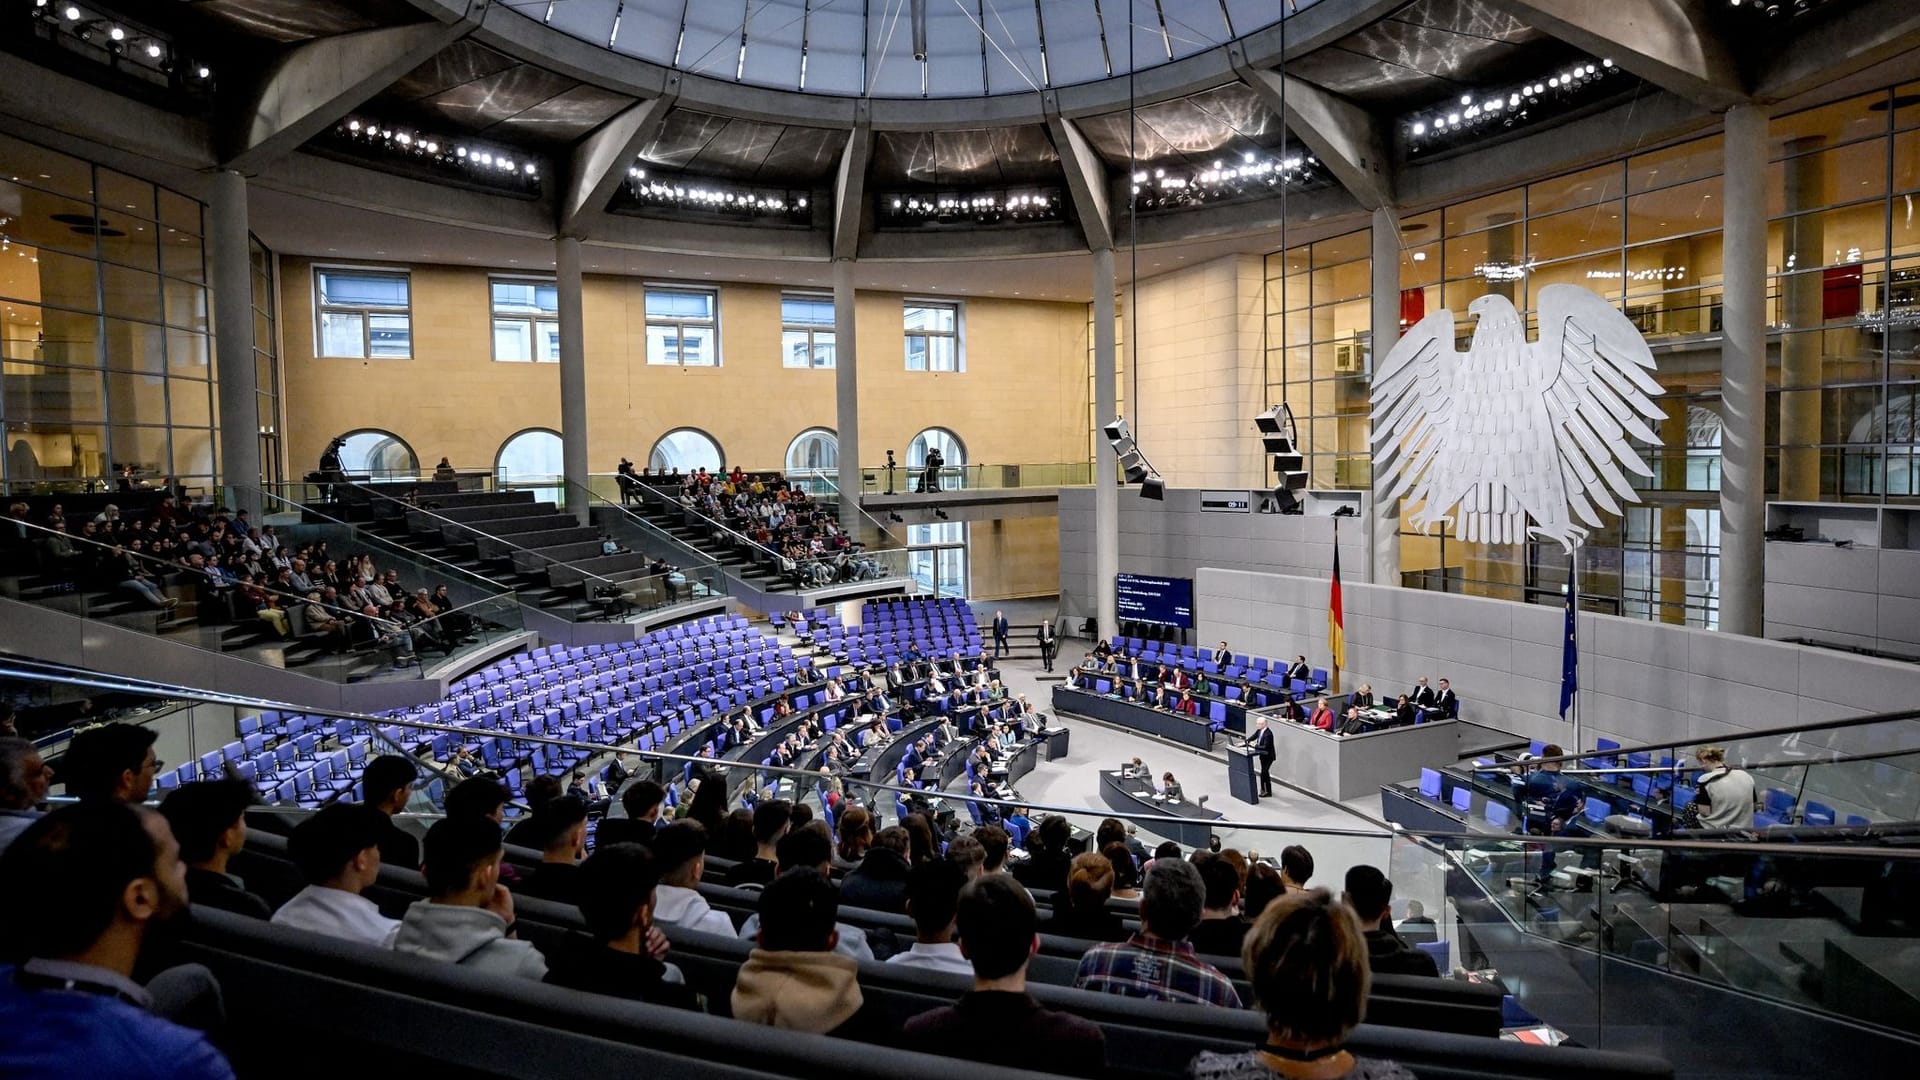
<point>1080,911</point>
<point>208,818</point>
<point>1370,895</point>
<point>467,917</point>
<point>337,850</point>
<point>621,953</point>
<point>24,779</point>
<point>1306,959</point>
<point>1157,963</point>
<point>794,979</point>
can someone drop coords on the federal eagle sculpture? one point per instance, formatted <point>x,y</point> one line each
<point>1510,429</point>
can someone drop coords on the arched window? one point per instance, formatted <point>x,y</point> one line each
<point>686,450</point>
<point>949,445</point>
<point>814,450</point>
<point>532,459</point>
<point>376,453</point>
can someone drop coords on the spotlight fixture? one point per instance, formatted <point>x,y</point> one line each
<point>686,194</point>
<point>1137,469</point>
<point>1280,437</point>
<point>1506,107</point>
<point>70,13</point>
<point>1253,174</point>
<point>367,136</point>
<point>976,207</point>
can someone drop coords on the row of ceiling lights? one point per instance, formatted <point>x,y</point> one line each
<point>1473,112</point>
<point>974,205</point>
<point>108,32</point>
<point>671,191</point>
<point>482,162</point>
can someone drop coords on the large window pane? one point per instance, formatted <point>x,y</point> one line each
<point>130,294</point>
<point>39,394</point>
<point>512,340</point>
<point>343,333</point>
<point>45,452</point>
<point>685,451</point>
<point>189,403</point>
<point>666,303</point>
<point>362,289</point>
<point>389,336</point>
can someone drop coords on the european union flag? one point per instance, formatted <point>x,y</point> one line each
<point>1569,650</point>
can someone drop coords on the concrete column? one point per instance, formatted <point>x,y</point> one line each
<point>1743,372</point>
<point>1106,489</point>
<point>1384,568</point>
<point>238,378</point>
<point>573,375</point>
<point>846,393</point>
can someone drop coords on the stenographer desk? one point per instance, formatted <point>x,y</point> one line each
<point>1342,767</point>
<point>1186,730</point>
<point>1131,795</point>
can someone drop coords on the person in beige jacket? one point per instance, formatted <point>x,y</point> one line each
<point>793,979</point>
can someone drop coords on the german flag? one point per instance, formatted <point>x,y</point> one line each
<point>1336,622</point>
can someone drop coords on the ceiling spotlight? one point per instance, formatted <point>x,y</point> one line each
<point>204,71</point>
<point>1419,128</point>
<point>353,125</point>
<point>1466,99</point>
<point>530,170</point>
<point>70,13</point>
<point>153,49</point>
<point>117,34</point>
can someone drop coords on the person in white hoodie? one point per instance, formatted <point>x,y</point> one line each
<point>467,918</point>
<point>680,851</point>
<point>338,852</point>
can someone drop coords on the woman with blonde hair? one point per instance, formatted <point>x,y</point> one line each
<point>1081,910</point>
<point>1306,957</point>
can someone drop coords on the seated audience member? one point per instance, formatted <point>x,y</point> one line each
<point>467,917</point>
<point>793,979</point>
<point>812,845</point>
<point>386,784</point>
<point>1418,926</point>
<point>1446,702</point>
<point>1307,961</point>
<point>541,790</point>
<point>209,821</point>
<point>1369,894</point>
<point>1156,963</point>
<point>24,780</point>
<point>995,841</point>
<point>478,797</point>
<point>680,855</point>
<point>1221,930</point>
<point>771,819</point>
<point>338,853</point>
<point>933,891</point>
<point>111,761</point>
<point>998,1022</point>
<point>855,836</point>
<point>1264,886</point>
<point>564,828</point>
<point>85,885</point>
<point>1048,855</point>
<point>616,892</point>
<point>1080,910</point>
<point>1126,872</point>
<point>1296,866</point>
<point>643,800</point>
<point>880,882</point>
<point>969,854</point>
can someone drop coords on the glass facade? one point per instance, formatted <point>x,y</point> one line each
<point>1843,255</point>
<point>105,329</point>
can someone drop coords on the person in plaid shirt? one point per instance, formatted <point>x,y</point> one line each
<point>1157,963</point>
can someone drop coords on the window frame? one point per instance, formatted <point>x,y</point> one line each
<point>365,313</point>
<point>679,325</point>
<point>809,329</point>
<point>536,324</point>
<point>958,335</point>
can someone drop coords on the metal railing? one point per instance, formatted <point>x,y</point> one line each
<point>141,592</point>
<point>907,480</point>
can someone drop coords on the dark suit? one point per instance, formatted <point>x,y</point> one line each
<point>1448,703</point>
<point>1048,640</point>
<point>1000,628</point>
<point>1421,695</point>
<point>1224,658</point>
<point>399,848</point>
<point>224,891</point>
<point>1299,671</point>
<point>1263,749</point>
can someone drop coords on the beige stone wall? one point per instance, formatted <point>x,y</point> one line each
<point>1014,557</point>
<point>1022,398</point>
<point>1199,356</point>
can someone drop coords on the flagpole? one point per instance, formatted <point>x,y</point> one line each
<point>1573,602</point>
<point>1333,684</point>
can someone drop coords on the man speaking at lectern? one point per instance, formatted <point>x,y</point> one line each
<point>1263,747</point>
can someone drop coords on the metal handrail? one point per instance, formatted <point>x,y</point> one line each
<point>361,535</point>
<point>469,528</point>
<point>649,491</point>
<point>595,499</point>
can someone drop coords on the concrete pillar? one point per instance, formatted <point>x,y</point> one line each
<point>573,375</point>
<point>238,378</point>
<point>846,393</point>
<point>1106,488</point>
<point>1385,540</point>
<point>1802,302</point>
<point>1743,372</point>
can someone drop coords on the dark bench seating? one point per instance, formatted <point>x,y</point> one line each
<point>302,1006</point>
<point>544,542</point>
<point>1445,1032</point>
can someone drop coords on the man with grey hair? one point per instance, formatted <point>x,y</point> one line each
<point>24,780</point>
<point>1157,963</point>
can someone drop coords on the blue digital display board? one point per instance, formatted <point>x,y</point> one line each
<point>1159,601</point>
